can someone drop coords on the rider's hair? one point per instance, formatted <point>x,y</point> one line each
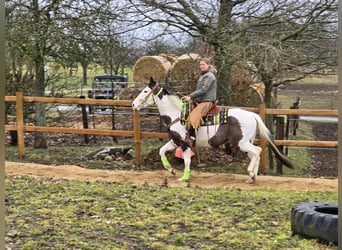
<point>208,61</point>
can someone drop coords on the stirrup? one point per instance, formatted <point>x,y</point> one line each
<point>192,141</point>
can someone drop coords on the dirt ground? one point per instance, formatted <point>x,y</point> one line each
<point>324,161</point>
<point>323,164</point>
<point>322,168</point>
<point>165,179</point>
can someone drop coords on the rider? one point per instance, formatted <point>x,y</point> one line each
<point>204,96</point>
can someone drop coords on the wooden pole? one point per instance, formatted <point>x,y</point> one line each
<point>262,142</point>
<point>287,132</point>
<point>84,120</point>
<point>113,123</point>
<point>20,123</point>
<point>137,137</point>
<point>280,136</point>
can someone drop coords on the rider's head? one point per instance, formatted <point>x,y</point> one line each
<point>205,64</point>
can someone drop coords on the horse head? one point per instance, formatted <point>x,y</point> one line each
<point>145,97</point>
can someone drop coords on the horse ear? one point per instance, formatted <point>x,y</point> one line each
<point>152,83</point>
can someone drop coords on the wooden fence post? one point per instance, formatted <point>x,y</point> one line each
<point>84,119</point>
<point>137,137</point>
<point>20,123</point>
<point>280,136</point>
<point>262,141</point>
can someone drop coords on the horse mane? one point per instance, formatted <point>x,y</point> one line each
<point>176,102</point>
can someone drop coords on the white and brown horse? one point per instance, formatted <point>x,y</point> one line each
<point>239,130</point>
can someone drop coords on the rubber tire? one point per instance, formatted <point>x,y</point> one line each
<point>316,220</point>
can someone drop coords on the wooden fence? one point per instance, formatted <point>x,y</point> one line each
<point>137,134</point>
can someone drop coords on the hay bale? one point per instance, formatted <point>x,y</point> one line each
<point>258,89</point>
<point>151,66</point>
<point>256,93</point>
<point>185,67</point>
<point>245,91</point>
<point>170,57</point>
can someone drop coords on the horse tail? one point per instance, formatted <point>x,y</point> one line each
<point>264,132</point>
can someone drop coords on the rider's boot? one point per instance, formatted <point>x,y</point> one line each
<point>192,137</point>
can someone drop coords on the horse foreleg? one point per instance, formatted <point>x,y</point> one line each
<point>187,163</point>
<point>253,153</point>
<point>252,165</point>
<point>166,164</point>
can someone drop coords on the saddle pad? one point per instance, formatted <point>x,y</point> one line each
<point>219,118</point>
<point>211,119</point>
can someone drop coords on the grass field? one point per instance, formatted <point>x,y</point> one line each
<point>315,93</point>
<point>61,214</point>
<point>329,79</point>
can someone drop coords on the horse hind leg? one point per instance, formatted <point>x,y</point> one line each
<point>253,153</point>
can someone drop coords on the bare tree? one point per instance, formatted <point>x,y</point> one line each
<point>34,21</point>
<point>269,33</point>
<point>64,30</point>
<point>292,41</point>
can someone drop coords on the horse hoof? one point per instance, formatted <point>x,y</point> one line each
<point>251,180</point>
<point>183,179</point>
<point>173,172</point>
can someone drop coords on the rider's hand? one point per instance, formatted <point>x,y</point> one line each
<point>186,98</point>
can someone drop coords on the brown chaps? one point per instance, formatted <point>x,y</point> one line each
<point>196,115</point>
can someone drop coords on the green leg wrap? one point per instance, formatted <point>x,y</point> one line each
<point>165,162</point>
<point>186,175</point>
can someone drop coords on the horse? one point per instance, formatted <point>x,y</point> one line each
<point>239,131</point>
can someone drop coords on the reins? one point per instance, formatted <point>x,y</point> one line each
<point>152,91</point>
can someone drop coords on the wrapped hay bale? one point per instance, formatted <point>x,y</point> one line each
<point>151,66</point>
<point>185,67</point>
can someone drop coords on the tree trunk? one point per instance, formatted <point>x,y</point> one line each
<point>268,93</point>
<point>220,42</point>
<point>84,73</point>
<point>224,85</point>
<point>39,139</point>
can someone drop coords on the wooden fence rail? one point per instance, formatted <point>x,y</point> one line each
<point>137,134</point>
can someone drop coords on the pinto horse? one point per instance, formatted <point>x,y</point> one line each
<point>239,130</point>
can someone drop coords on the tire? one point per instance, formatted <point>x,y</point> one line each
<point>316,220</point>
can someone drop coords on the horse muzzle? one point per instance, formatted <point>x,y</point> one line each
<point>136,106</point>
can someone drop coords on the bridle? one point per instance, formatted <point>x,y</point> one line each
<point>152,93</point>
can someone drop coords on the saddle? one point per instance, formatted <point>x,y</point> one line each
<point>215,115</point>
<point>214,109</point>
